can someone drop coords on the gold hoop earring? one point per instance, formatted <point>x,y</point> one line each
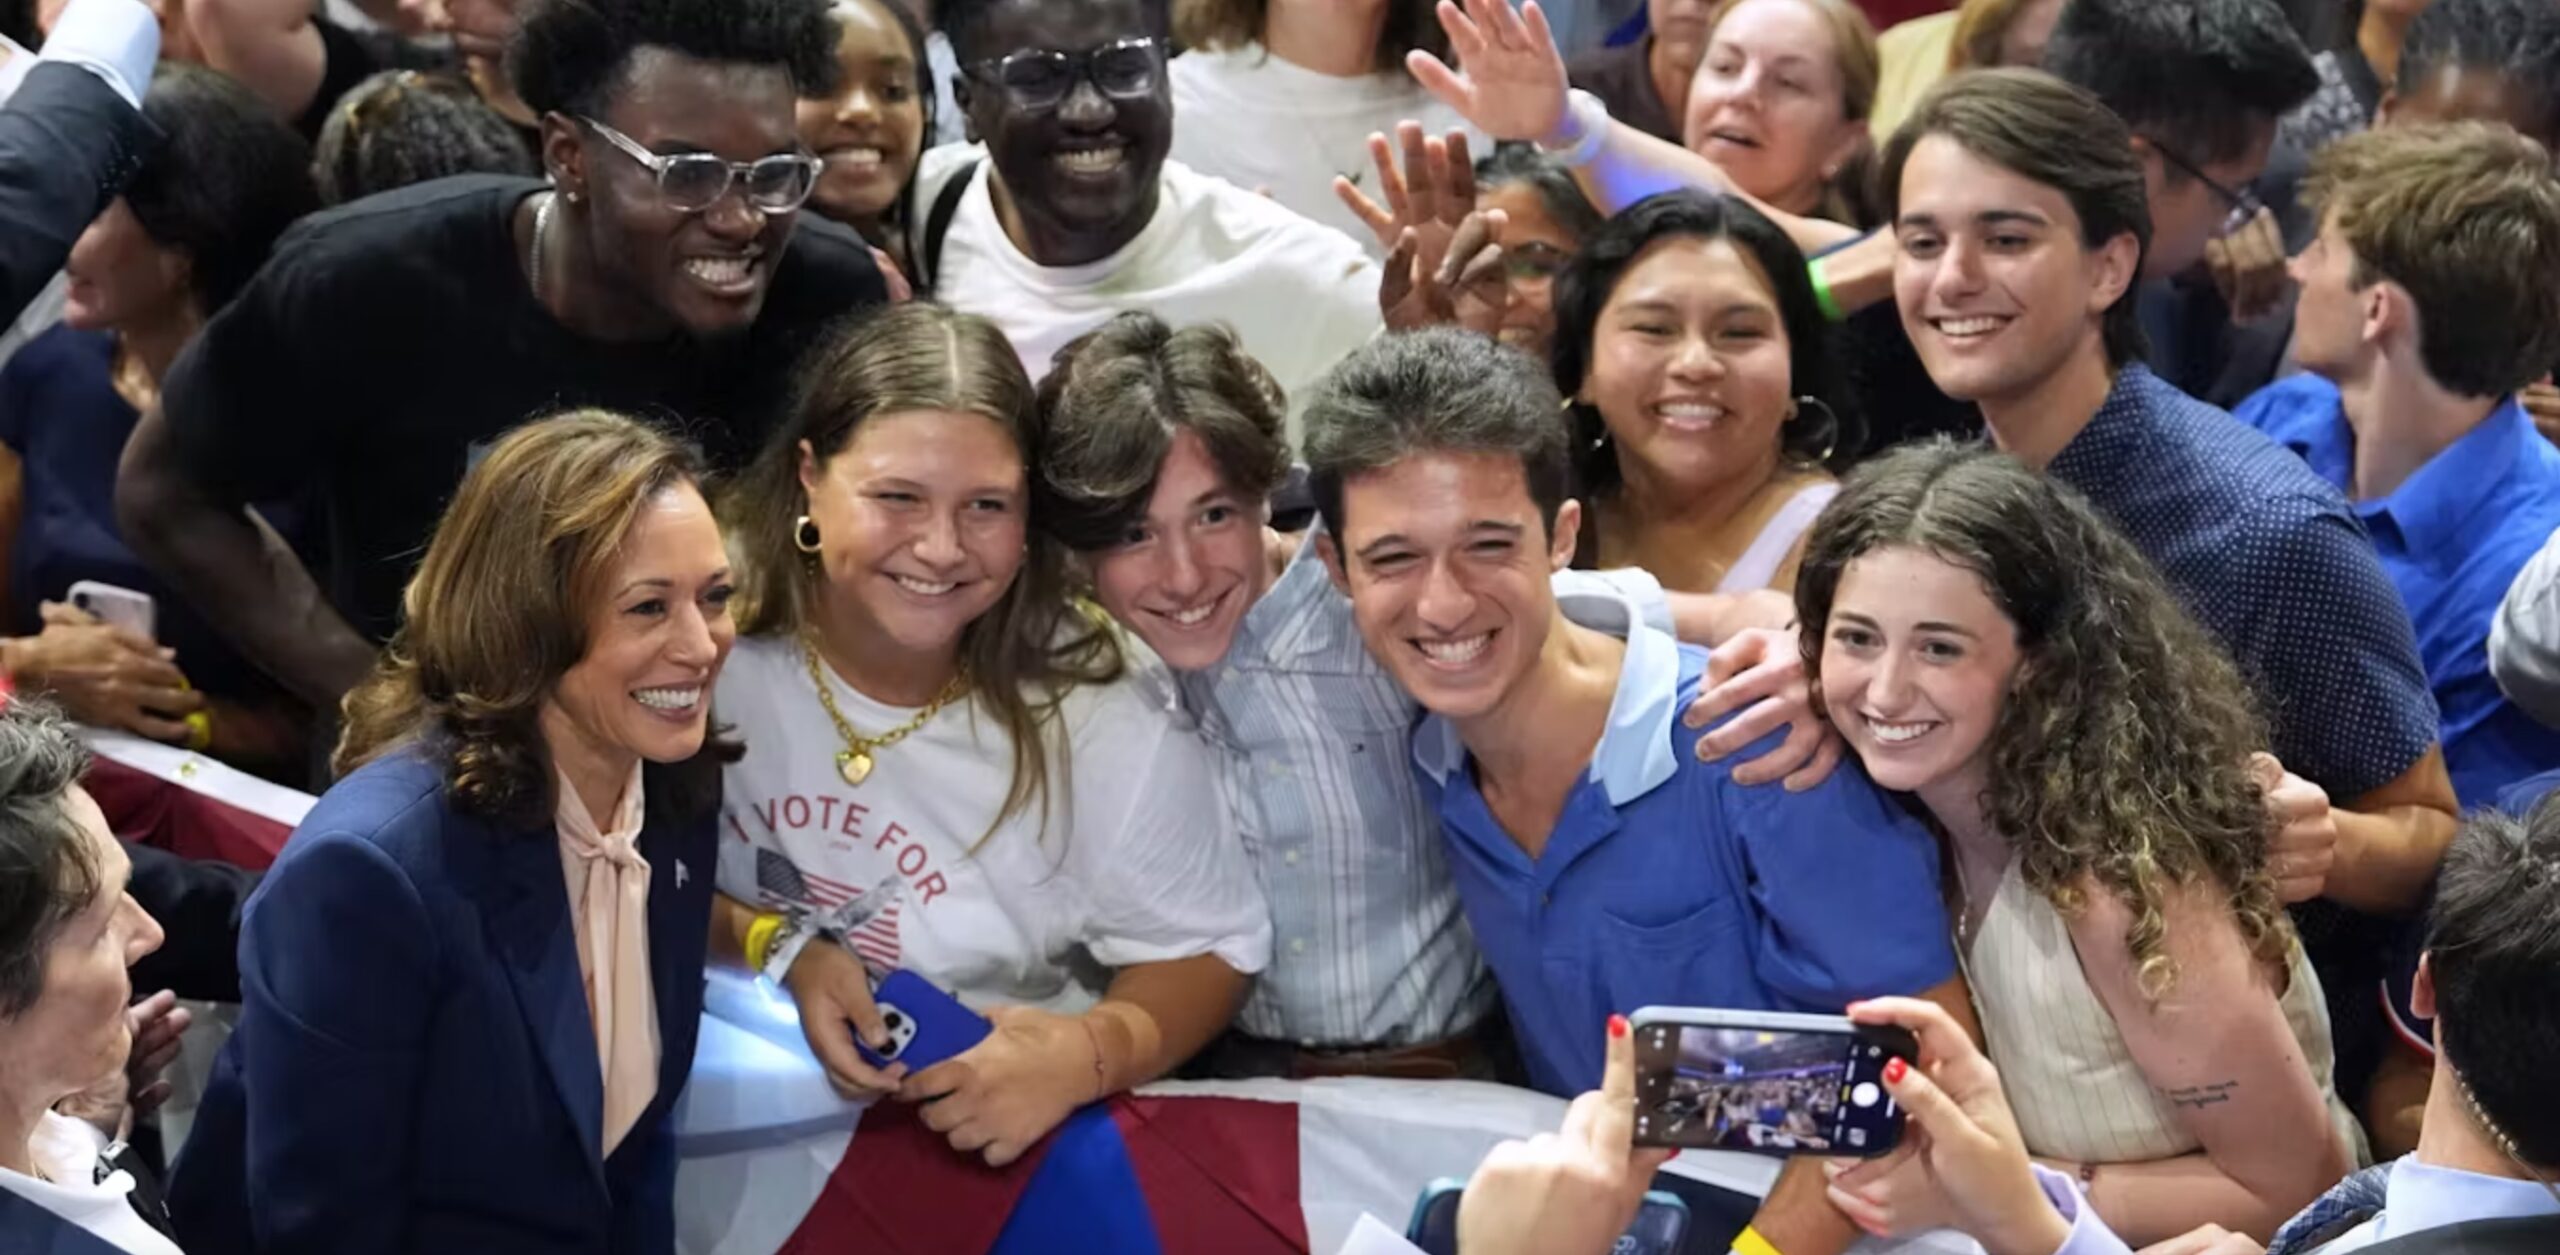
<point>804,535</point>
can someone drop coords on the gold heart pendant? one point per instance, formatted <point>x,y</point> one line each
<point>855,768</point>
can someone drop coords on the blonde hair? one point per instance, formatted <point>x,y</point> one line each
<point>499,609</point>
<point>1227,25</point>
<point>1980,26</point>
<point>909,358</point>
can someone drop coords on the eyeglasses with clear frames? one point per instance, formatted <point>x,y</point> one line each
<point>2242,203</point>
<point>1043,78</point>
<point>693,182</point>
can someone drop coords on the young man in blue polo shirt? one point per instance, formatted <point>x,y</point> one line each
<point>1601,866</point>
<point>2020,224</point>
<point>2428,299</point>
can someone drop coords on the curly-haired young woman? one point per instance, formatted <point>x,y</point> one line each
<point>1988,646</point>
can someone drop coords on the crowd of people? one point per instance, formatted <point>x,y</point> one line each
<point>1279,538</point>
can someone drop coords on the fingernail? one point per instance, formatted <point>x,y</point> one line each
<point>1895,1069</point>
<point>1617,1026</point>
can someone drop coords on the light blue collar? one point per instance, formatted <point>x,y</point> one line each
<point>1635,756</point>
<point>2422,1196</point>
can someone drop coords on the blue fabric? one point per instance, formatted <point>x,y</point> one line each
<point>415,1069</point>
<point>2347,1204</point>
<point>2267,556</point>
<point>2518,799</point>
<point>1084,1198</point>
<point>26,1229</point>
<point>2452,538</point>
<point>59,412</point>
<point>1663,882</point>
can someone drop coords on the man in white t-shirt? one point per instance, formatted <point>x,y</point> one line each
<point>1073,214</point>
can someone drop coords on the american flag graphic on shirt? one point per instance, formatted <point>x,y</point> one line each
<point>782,885</point>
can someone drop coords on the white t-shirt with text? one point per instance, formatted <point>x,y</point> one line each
<point>1137,864</point>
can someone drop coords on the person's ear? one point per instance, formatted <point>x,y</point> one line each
<point>564,156</point>
<point>1565,536</point>
<point>2115,265</point>
<point>2388,308</point>
<point>2382,111</point>
<point>1332,556</point>
<point>809,471</point>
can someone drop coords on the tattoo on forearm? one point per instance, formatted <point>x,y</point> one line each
<point>2201,1096</point>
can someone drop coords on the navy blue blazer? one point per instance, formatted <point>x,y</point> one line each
<point>415,1068</point>
<point>26,1229</point>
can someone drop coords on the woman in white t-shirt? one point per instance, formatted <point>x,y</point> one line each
<point>930,719</point>
<point>68,932</point>
<point>1281,96</point>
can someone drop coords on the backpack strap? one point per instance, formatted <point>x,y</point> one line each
<point>937,224</point>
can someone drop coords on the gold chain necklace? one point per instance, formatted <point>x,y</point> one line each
<point>854,761</point>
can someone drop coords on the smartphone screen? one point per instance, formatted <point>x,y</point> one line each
<point>1771,1089</point>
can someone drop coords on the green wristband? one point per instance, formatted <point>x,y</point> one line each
<point>1822,298</point>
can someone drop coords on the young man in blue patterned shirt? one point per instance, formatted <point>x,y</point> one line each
<point>2018,212</point>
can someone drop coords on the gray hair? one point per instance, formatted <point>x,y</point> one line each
<point>1436,390</point>
<point>47,872</point>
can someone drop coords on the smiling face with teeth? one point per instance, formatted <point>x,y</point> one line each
<point>1691,368</point>
<point>655,644</point>
<point>1447,561</point>
<point>1917,663</point>
<point>1997,291</point>
<point>921,524</point>
<point>646,264</point>
<point>1192,566</point>
<point>872,130</point>
<point>1076,182</point>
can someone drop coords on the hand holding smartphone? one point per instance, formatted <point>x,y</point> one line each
<point>926,1025</point>
<point>1766,1082</point>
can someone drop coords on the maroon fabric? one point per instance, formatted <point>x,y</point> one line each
<point>143,807</point>
<point>1221,1174</point>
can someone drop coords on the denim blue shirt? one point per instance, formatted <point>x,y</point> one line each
<point>1664,882</point>
<point>2452,538</point>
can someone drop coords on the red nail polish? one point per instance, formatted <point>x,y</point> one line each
<point>1617,1026</point>
<point>1894,1070</point>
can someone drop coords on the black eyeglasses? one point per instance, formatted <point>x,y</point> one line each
<point>2243,203</point>
<point>693,182</point>
<point>1043,78</point>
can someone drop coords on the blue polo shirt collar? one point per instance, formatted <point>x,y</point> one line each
<point>1635,755</point>
<point>2432,508</point>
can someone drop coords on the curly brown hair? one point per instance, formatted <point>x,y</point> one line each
<point>2121,758</point>
<point>498,612</point>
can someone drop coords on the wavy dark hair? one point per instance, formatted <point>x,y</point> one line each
<point>402,127</point>
<point>2121,756</point>
<point>1112,405</point>
<point>1610,253</point>
<point>1025,654</point>
<point>499,611</point>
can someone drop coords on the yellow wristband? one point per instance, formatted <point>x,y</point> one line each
<point>200,731</point>
<point>1749,1242</point>
<point>760,936</point>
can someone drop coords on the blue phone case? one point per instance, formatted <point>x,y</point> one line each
<point>1661,1225</point>
<point>926,1025</point>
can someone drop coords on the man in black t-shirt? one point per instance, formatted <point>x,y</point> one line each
<point>388,340</point>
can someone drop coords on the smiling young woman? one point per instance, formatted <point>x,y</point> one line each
<point>932,719</point>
